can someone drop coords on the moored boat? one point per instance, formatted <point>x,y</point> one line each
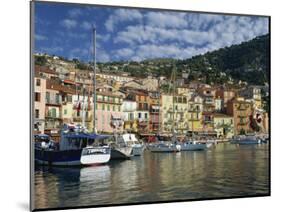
<point>131,140</point>
<point>120,150</point>
<point>76,148</point>
<point>164,147</point>
<point>246,139</point>
<point>193,146</point>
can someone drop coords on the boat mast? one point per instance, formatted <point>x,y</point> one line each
<point>159,95</point>
<point>94,81</point>
<point>83,108</point>
<point>173,117</point>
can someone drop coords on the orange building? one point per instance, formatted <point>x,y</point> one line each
<point>241,111</point>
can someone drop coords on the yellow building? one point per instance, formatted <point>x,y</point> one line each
<point>174,113</point>
<point>223,125</point>
<point>195,110</point>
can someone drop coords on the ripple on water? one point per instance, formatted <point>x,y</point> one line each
<point>224,171</point>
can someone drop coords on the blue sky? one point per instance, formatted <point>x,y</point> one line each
<point>137,34</point>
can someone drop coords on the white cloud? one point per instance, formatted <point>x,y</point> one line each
<point>166,19</point>
<point>40,37</point>
<point>51,50</point>
<point>68,23</point>
<point>103,37</point>
<point>203,32</point>
<point>86,25</point>
<point>75,12</point>
<point>122,15</point>
<point>125,52</point>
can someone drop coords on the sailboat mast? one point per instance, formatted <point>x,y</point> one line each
<point>94,81</point>
<point>159,96</point>
<point>173,117</point>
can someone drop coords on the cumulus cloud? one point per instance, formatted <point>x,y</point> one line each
<point>166,19</point>
<point>39,37</point>
<point>86,25</point>
<point>165,34</point>
<point>122,15</point>
<point>75,12</point>
<point>68,23</point>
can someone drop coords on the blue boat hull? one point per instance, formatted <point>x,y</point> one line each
<point>79,157</point>
<point>69,157</point>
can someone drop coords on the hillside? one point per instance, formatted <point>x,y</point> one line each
<point>248,62</point>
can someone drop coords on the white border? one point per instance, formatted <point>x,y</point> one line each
<point>14,52</point>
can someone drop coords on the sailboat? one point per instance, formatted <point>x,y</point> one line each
<point>77,147</point>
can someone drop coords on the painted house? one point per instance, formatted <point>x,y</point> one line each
<point>208,94</point>
<point>252,93</point>
<point>154,112</point>
<point>195,110</point>
<point>39,104</point>
<point>241,111</point>
<point>223,125</point>
<point>129,109</point>
<point>174,113</point>
<point>108,113</point>
<point>53,105</point>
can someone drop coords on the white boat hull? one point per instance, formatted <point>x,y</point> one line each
<point>193,147</point>
<point>119,153</point>
<point>164,148</point>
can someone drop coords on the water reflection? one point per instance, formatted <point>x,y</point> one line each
<point>223,171</point>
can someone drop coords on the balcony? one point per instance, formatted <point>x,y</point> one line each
<point>53,102</point>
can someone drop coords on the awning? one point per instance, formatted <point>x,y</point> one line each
<point>155,107</point>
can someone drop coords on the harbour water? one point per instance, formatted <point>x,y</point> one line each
<point>225,170</point>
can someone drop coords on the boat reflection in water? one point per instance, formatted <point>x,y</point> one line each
<point>225,171</point>
<point>71,185</point>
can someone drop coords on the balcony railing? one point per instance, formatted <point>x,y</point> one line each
<point>53,102</point>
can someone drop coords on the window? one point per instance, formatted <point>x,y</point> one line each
<point>47,97</point>
<point>36,113</point>
<point>103,107</point>
<point>119,108</point>
<point>145,115</point>
<point>69,98</point>
<point>113,108</point>
<point>65,111</point>
<point>139,115</point>
<point>38,82</point>
<point>108,107</point>
<point>53,113</point>
<point>57,98</point>
<point>37,97</point>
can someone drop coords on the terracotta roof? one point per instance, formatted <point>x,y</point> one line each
<point>44,69</point>
<point>58,87</point>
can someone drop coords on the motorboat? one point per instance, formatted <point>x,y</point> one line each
<point>76,147</point>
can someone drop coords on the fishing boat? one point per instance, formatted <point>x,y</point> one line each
<point>77,147</point>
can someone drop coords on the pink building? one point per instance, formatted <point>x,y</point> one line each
<point>109,116</point>
<point>39,104</point>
